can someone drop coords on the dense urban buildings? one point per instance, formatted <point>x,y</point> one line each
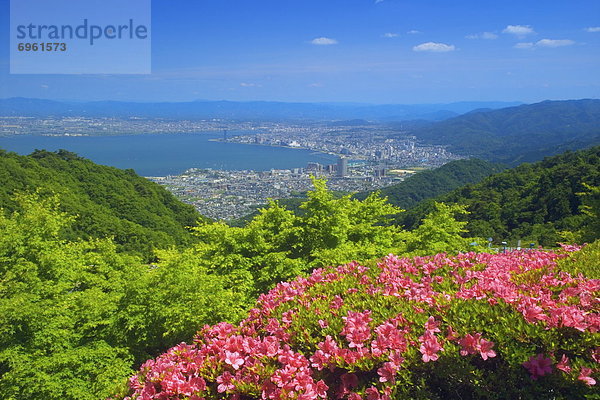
<point>369,156</point>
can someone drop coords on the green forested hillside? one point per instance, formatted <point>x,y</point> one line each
<point>435,182</point>
<point>520,134</point>
<point>534,202</point>
<point>107,201</point>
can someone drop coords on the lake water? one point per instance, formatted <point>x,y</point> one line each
<point>169,154</point>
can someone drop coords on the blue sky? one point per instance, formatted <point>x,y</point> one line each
<point>390,51</point>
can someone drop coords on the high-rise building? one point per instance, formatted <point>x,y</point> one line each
<point>314,167</point>
<point>342,167</point>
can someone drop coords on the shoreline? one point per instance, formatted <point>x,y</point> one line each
<point>278,146</point>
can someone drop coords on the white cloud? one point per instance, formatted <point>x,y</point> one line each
<point>554,42</point>
<point>247,84</point>
<point>44,86</point>
<point>519,30</point>
<point>413,32</point>
<point>527,45</point>
<point>484,35</point>
<point>434,47</point>
<point>379,1</point>
<point>324,41</point>
<point>316,85</point>
<point>593,29</point>
<point>545,43</point>
<point>489,35</point>
<point>390,35</point>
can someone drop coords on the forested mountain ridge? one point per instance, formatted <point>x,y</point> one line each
<point>107,201</point>
<point>518,134</point>
<point>435,182</point>
<point>535,202</point>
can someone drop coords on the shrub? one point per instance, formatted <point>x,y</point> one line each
<point>470,326</point>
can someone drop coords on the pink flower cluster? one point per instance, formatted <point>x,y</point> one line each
<point>540,365</point>
<point>473,344</point>
<point>430,346</point>
<point>356,328</point>
<point>308,339</point>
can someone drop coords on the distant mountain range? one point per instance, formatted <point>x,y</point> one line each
<point>519,134</point>
<point>509,133</point>
<point>251,110</point>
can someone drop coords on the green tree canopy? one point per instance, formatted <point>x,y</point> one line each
<point>77,315</point>
<point>108,202</point>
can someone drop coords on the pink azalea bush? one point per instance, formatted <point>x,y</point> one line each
<point>511,325</point>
